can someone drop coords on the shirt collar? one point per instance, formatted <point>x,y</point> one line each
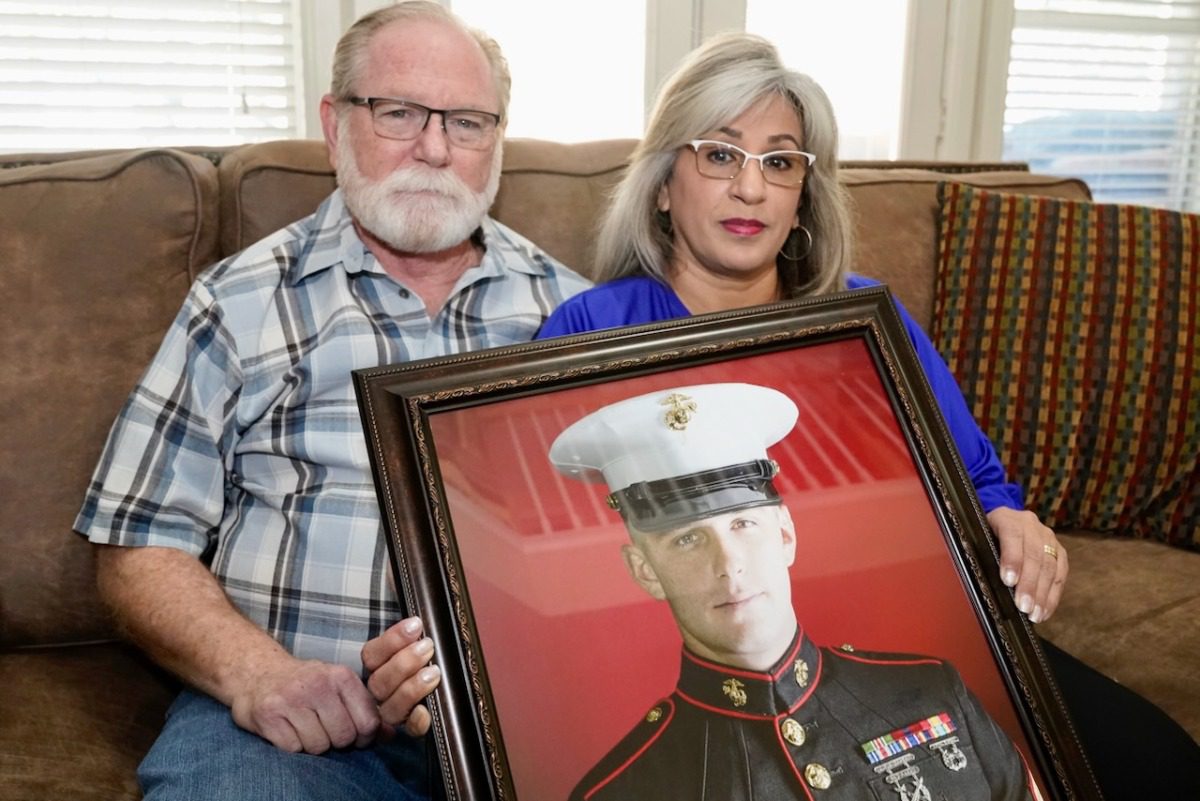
<point>742,693</point>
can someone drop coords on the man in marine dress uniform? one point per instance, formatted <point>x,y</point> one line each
<point>760,711</point>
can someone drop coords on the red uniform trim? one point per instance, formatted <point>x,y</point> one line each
<point>760,677</point>
<point>757,675</point>
<point>637,754</point>
<point>867,661</point>
<point>795,768</point>
<point>1033,788</point>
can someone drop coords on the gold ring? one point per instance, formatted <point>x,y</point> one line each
<point>1051,550</point>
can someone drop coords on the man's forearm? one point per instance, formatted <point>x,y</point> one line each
<point>168,603</point>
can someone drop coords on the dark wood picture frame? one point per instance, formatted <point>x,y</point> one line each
<point>426,424</point>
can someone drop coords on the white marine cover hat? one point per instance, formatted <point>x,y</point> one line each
<point>679,455</point>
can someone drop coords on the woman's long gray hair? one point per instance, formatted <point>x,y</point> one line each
<point>715,84</point>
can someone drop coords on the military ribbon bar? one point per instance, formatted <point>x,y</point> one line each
<point>900,740</point>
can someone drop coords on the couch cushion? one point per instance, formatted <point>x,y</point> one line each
<point>77,721</point>
<point>1130,610</point>
<point>1072,327</point>
<point>97,254</point>
<point>555,194</point>
<point>895,217</point>
<point>267,186</point>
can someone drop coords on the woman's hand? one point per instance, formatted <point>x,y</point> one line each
<point>1032,560</point>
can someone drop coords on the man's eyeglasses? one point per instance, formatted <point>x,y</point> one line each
<point>725,161</point>
<point>403,119</point>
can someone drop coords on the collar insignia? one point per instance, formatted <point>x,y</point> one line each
<point>735,691</point>
<point>801,671</point>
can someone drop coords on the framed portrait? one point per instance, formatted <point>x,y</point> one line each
<point>568,673</point>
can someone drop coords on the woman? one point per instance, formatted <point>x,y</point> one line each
<point>732,199</point>
<point>689,231</point>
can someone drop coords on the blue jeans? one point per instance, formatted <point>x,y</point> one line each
<point>202,754</point>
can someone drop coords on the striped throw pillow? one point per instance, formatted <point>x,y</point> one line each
<point>1073,330</point>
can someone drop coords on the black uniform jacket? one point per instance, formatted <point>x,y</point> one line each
<point>822,724</point>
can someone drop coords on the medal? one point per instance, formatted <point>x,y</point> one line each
<point>952,756</point>
<point>904,778</point>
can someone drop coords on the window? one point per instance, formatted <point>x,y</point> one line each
<point>860,66</point>
<point>1109,91</point>
<point>578,68</point>
<point>85,74</point>
<point>76,74</point>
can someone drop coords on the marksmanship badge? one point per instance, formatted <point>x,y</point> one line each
<point>952,756</point>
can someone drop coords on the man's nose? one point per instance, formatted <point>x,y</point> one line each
<point>728,556</point>
<point>432,145</point>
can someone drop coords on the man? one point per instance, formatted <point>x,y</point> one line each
<point>234,508</point>
<point>760,711</point>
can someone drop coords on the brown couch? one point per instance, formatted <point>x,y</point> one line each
<point>96,253</point>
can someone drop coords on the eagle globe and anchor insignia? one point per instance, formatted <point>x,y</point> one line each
<point>680,414</point>
<point>800,669</point>
<point>735,691</point>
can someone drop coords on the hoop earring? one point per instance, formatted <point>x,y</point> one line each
<point>664,222</point>
<point>783,252</point>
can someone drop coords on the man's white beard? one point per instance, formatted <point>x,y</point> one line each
<point>415,209</point>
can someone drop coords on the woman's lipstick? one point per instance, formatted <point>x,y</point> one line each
<point>740,227</point>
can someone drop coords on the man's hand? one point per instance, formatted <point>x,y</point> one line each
<point>401,676</point>
<point>171,605</point>
<point>1031,559</point>
<point>309,706</point>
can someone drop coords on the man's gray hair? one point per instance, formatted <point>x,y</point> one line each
<point>351,49</point>
<point>715,84</point>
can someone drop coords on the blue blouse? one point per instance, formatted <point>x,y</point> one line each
<point>640,299</point>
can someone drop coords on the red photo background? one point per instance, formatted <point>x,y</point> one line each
<point>576,653</point>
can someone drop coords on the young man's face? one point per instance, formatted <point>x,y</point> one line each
<point>726,579</point>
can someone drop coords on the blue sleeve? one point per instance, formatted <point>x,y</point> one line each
<point>626,301</point>
<point>571,317</point>
<point>977,452</point>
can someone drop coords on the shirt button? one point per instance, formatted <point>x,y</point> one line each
<point>404,293</point>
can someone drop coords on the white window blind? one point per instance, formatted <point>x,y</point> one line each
<point>76,74</point>
<point>1109,91</point>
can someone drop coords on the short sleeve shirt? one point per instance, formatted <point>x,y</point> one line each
<point>242,442</point>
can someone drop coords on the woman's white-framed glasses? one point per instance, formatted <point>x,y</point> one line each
<point>393,118</point>
<point>724,161</point>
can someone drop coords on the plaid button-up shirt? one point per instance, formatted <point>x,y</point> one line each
<point>242,442</point>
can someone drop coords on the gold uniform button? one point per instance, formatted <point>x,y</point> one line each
<point>817,776</point>
<point>848,648</point>
<point>654,715</point>
<point>793,732</point>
